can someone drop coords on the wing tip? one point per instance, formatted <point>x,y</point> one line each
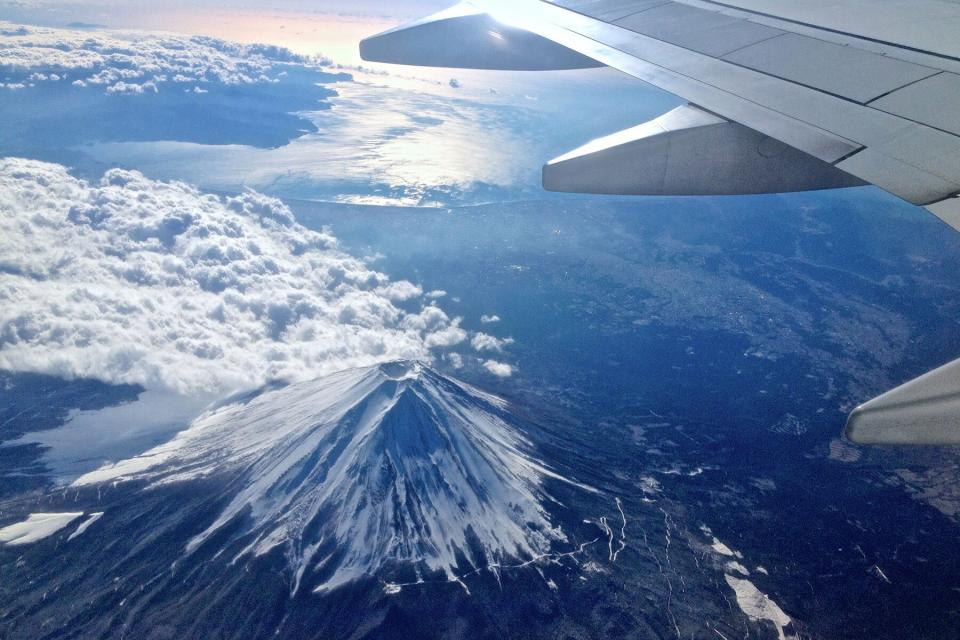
<point>852,431</point>
<point>921,411</point>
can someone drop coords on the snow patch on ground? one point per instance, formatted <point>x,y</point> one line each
<point>36,527</point>
<point>755,604</point>
<point>93,517</point>
<point>843,451</point>
<point>724,550</point>
<point>391,588</point>
<point>758,605</point>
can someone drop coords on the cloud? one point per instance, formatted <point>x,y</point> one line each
<point>485,319</point>
<point>130,88</point>
<point>455,360</point>
<point>449,336</point>
<point>136,62</point>
<point>132,280</point>
<point>400,291</point>
<point>486,342</point>
<point>499,369</point>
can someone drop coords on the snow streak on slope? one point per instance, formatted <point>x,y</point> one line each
<point>36,527</point>
<point>363,470</point>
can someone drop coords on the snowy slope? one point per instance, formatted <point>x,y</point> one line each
<point>36,527</point>
<point>368,469</point>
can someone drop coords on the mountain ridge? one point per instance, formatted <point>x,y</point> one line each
<point>368,471</point>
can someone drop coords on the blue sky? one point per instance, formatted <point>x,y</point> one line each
<point>329,25</point>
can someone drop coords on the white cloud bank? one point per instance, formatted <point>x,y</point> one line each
<point>132,280</point>
<point>134,62</point>
<point>486,342</point>
<point>499,369</point>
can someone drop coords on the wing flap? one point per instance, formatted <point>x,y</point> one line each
<point>932,101</point>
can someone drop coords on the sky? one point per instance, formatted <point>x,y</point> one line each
<point>328,27</point>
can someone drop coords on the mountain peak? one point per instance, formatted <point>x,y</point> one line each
<point>369,471</point>
<point>402,369</point>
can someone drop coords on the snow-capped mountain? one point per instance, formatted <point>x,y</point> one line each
<point>364,472</point>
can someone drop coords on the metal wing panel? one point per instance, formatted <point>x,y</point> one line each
<point>934,101</point>
<point>709,32</point>
<point>861,70</point>
<point>829,127</point>
<point>881,47</point>
<point>853,73</point>
<point>611,10</point>
<point>927,25</point>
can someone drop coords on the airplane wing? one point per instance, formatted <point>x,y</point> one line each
<point>783,96</point>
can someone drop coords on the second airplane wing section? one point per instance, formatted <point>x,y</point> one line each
<point>689,151</point>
